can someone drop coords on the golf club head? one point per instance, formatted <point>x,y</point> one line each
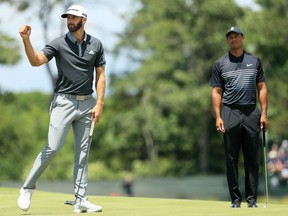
<point>69,202</point>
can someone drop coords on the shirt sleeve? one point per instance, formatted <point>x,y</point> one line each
<point>216,79</point>
<point>50,50</point>
<point>260,72</point>
<point>100,59</point>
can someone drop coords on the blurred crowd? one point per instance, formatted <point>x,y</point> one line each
<point>278,164</point>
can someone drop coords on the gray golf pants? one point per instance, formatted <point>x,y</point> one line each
<point>66,111</point>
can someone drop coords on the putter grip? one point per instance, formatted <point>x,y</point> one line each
<point>92,128</point>
<point>264,137</point>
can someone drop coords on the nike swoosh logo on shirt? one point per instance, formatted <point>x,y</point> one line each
<point>249,65</point>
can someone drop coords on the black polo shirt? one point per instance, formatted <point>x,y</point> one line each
<point>238,77</point>
<point>75,62</point>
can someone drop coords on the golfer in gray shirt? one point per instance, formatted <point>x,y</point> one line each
<point>77,56</point>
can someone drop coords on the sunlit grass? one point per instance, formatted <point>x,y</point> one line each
<point>47,203</point>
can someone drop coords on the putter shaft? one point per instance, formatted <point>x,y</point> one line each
<point>265,165</point>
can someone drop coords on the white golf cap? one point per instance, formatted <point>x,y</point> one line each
<point>75,10</point>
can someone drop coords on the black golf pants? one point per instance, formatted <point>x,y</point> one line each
<point>242,127</point>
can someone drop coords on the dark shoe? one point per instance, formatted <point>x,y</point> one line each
<point>235,204</point>
<point>252,205</point>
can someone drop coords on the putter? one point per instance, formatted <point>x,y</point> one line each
<point>69,202</point>
<point>265,165</point>
<point>92,128</point>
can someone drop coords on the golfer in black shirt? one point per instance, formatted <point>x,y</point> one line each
<point>236,79</point>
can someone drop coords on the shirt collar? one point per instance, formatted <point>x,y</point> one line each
<point>73,39</point>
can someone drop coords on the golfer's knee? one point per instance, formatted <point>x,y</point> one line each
<point>51,150</point>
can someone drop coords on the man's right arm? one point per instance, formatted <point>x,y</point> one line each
<point>35,59</point>
<point>216,104</point>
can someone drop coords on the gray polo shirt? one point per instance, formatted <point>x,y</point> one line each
<point>238,77</point>
<point>75,62</point>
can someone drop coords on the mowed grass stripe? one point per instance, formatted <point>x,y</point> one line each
<point>47,203</point>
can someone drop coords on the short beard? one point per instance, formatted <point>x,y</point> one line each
<point>74,28</point>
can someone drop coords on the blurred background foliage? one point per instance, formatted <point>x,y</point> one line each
<point>158,119</point>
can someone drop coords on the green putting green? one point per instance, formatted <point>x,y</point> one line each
<point>47,203</point>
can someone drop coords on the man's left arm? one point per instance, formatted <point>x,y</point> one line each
<point>100,86</point>
<point>263,99</point>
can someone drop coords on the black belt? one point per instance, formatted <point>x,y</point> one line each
<point>240,106</point>
<point>75,97</point>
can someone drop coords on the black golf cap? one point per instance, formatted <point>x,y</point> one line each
<point>235,30</point>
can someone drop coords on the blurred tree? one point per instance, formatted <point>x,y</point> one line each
<point>268,38</point>
<point>165,102</point>
<point>158,117</point>
<point>45,7</point>
<point>20,131</point>
<point>8,45</point>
